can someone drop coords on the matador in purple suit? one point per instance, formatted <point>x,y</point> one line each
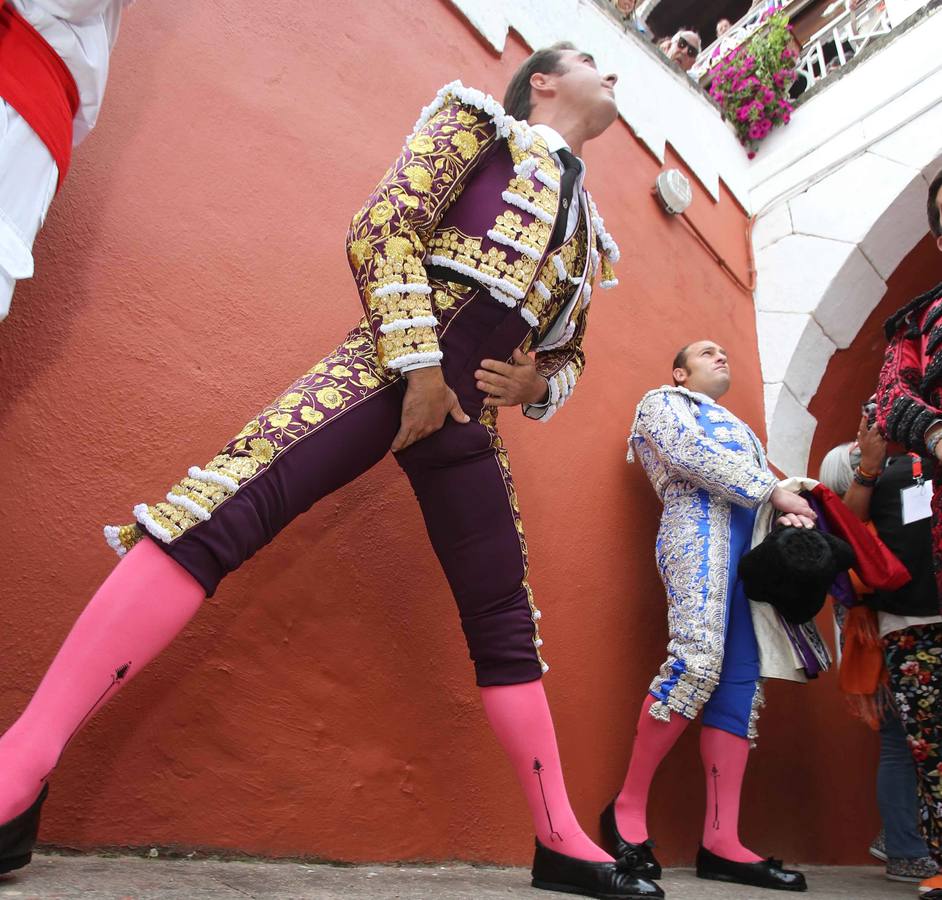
<point>479,245</point>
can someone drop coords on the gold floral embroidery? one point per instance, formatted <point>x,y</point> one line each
<point>420,179</point>
<point>359,252</point>
<point>421,143</point>
<point>398,248</point>
<point>331,398</point>
<point>382,212</point>
<point>466,143</point>
<point>290,400</point>
<point>329,388</point>
<point>400,217</point>
<point>311,415</point>
<point>262,449</point>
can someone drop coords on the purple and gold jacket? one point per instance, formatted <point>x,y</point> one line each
<point>476,192</point>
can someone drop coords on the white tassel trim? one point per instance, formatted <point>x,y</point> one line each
<point>586,295</point>
<point>400,288</point>
<point>608,284</point>
<point>538,642</point>
<point>570,374</point>
<point>526,168</point>
<point>562,388</point>
<point>609,247</point>
<point>111,536</point>
<point>230,484</point>
<point>561,272</point>
<point>536,615</point>
<point>145,519</point>
<point>410,359</point>
<point>193,508</point>
<point>548,180</point>
<point>500,238</point>
<point>403,324</point>
<point>524,204</point>
<point>542,290</point>
<point>555,393</point>
<point>505,125</point>
<point>488,280</point>
<point>544,667</point>
<point>529,317</point>
<point>501,297</point>
<point>596,259</point>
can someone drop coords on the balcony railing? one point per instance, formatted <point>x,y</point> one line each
<point>828,48</point>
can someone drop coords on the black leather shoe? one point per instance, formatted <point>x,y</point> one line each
<point>18,836</point>
<point>641,856</point>
<point>765,874</point>
<point>553,871</point>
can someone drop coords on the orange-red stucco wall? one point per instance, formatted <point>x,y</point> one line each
<point>322,703</point>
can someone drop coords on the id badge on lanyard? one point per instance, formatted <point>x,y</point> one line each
<point>916,500</point>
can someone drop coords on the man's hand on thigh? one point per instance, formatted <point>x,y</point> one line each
<point>426,405</point>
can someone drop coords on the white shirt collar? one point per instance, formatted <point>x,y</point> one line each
<point>554,140</point>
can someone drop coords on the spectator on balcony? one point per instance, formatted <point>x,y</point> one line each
<point>629,9</point>
<point>907,622</point>
<point>722,27</point>
<point>684,48</point>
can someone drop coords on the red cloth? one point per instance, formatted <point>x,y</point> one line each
<point>876,566</point>
<point>38,85</point>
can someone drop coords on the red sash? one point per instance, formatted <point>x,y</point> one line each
<point>38,85</point>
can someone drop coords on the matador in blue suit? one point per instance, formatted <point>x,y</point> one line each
<point>709,470</point>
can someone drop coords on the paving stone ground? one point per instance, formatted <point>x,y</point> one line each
<point>66,877</point>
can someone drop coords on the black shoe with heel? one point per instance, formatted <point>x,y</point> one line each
<point>644,863</point>
<point>554,871</point>
<point>18,836</point>
<point>767,873</point>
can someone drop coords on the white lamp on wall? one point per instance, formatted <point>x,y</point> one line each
<point>673,190</point>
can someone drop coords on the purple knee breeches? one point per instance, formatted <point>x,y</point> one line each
<point>332,425</point>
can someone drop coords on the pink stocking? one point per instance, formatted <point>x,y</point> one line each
<point>724,758</point>
<point>653,742</point>
<point>520,717</point>
<point>138,610</point>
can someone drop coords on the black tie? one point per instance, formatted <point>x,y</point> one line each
<point>567,184</point>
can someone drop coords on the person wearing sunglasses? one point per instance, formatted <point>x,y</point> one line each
<point>684,49</point>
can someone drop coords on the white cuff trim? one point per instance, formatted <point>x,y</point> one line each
<point>408,359</point>
<point>111,536</point>
<point>193,508</point>
<point>144,518</point>
<point>230,484</point>
<point>400,288</point>
<point>403,324</point>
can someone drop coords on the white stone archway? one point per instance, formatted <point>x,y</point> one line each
<point>840,202</point>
